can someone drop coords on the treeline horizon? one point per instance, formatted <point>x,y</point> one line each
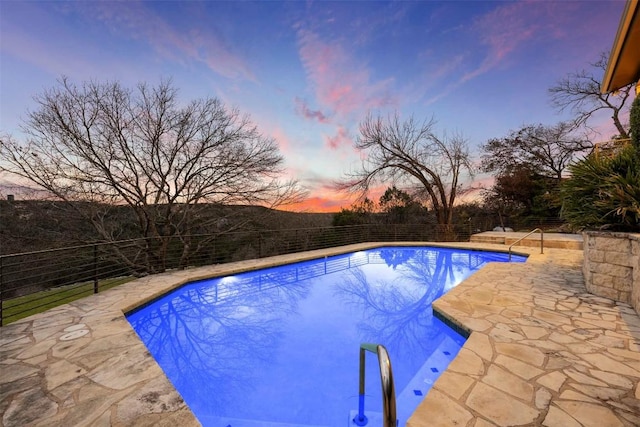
<point>32,224</point>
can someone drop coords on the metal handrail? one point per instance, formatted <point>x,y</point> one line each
<point>527,235</point>
<point>388,388</point>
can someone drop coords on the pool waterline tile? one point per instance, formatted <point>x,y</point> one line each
<point>150,398</point>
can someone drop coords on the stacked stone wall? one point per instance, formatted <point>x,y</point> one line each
<point>635,292</point>
<point>612,266</point>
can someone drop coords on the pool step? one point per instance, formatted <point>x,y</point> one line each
<point>551,240</point>
<point>417,388</point>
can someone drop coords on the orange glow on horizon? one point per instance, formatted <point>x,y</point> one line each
<point>332,203</point>
<point>317,205</point>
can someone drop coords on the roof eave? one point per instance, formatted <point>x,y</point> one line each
<point>623,67</point>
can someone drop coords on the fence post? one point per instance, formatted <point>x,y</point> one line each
<point>95,269</point>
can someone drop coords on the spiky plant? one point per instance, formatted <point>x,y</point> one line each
<point>604,192</point>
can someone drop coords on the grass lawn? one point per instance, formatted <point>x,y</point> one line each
<point>17,308</point>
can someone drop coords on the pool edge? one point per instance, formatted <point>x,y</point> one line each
<point>103,315</point>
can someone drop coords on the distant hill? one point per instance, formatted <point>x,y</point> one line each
<point>30,225</point>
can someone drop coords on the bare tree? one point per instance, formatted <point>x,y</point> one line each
<point>410,152</point>
<point>112,146</point>
<point>580,92</point>
<point>548,150</point>
<point>529,165</point>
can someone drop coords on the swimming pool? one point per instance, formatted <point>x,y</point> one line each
<point>280,346</point>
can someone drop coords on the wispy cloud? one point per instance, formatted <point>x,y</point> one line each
<point>135,20</point>
<point>36,51</point>
<point>302,108</point>
<point>497,37</point>
<point>512,25</point>
<point>341,83</point>
<point>438,70</point>
<point>502,31</point>
<point>63,54</point>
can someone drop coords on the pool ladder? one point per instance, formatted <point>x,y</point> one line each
<point>389,418</point>
<point>527,235</point>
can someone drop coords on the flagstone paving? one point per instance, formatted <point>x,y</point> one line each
<point>542,351</point>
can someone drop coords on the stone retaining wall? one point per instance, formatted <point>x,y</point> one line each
<point>612,266</point>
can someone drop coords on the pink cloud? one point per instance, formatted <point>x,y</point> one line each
<point>303,109</point>
<point>341,82</point>
<point>341,139</point>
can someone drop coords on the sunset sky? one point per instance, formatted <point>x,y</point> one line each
<point>308,72</point>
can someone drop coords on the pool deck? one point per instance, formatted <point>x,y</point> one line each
<point>542,352</point>
<point>551,240</point>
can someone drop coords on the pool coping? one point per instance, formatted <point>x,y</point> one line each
<point>82,363</point>
<point>274,261</point>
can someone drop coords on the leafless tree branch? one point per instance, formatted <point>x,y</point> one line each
<point>109,145</point>
<point>410,152</point>
<point>580,93</point>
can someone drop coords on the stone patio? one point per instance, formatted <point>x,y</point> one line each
<point>542,352</point>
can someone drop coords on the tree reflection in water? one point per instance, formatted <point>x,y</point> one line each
<point>219,332</point>
<point>397,310</point>
<point>281,344</point>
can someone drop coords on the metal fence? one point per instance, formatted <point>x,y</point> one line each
<point>35,281</point>
<point>493,221</point>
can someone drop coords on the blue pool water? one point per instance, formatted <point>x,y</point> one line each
<point>280,346</point>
